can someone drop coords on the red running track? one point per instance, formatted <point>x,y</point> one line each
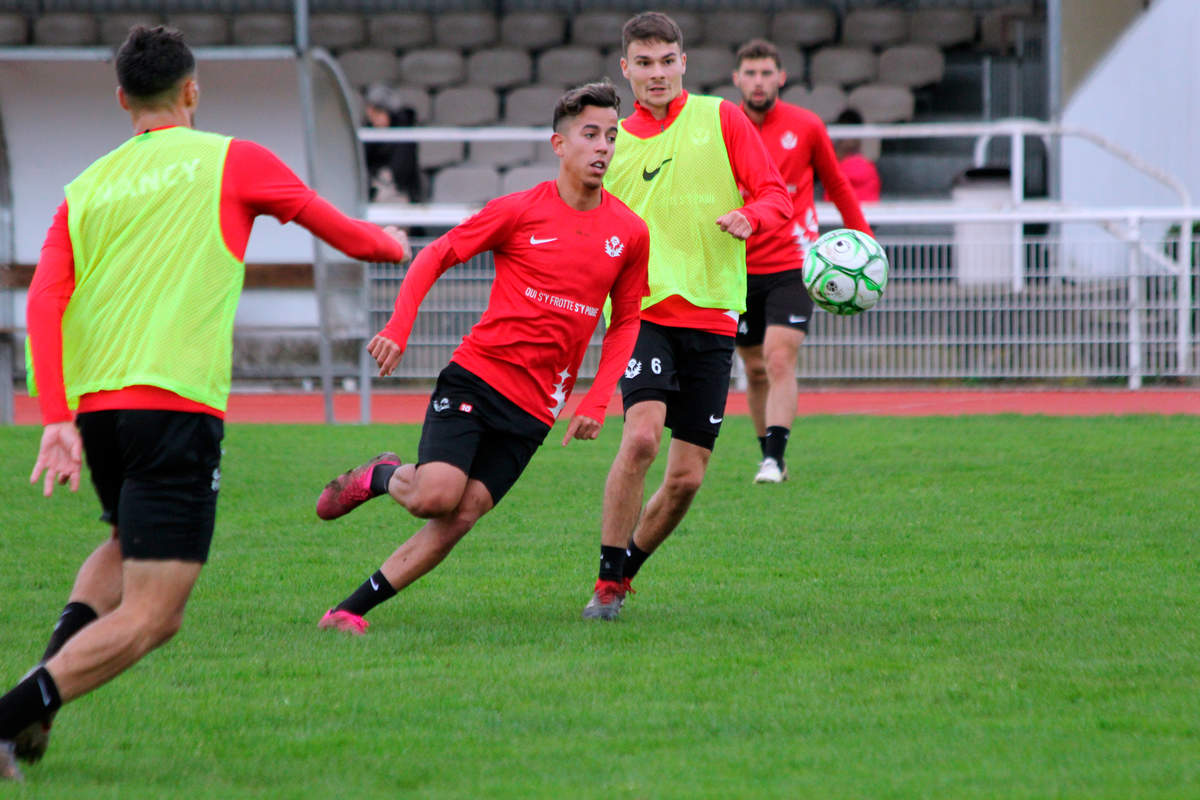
<point>396,407</point>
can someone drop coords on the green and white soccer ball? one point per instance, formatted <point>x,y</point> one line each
<point>845,271</point>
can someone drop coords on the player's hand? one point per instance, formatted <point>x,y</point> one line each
<point>387,354</point>
<point>735,224</point>
<point>60,456</point>
<point>582,427</point>
<point>400,236</point>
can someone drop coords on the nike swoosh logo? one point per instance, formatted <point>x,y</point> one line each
<point>649,176</point>
<point>535,240</point>
<point>796,319</point>
<point>715,420</point>
<point>374,585</point>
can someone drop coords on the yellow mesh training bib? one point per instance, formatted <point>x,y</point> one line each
<point>155,286</point>
<point>679,182</point>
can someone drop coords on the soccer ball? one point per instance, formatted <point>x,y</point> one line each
<point>845,271</point>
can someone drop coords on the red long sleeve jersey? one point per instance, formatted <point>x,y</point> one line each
<point>554,268</point>
<point>799,145</point>
<point>255,181</point>
<point>767,206</point>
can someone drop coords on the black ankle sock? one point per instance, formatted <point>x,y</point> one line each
<point>381,475</point>
<point>762,445</point>
<point>634,558</point>
<point>74,618</point>
<point>35,697</point>
<point>777,438</point>
<point>373,591</point>
<point>612,563</point>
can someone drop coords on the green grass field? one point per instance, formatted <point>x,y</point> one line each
<point>999,607</point>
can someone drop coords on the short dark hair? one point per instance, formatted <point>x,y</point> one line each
<point>650,26</point>
<point>850,116</point>
<point>757,48</point>
<point>152,62</point>
<point>601,94</point>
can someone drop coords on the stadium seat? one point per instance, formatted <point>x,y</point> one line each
<point>911,65</point>
<point>431,155</point>
<point>598,28</point>
<point>875,27</point>
<point>569,65</point>
<point>202,29</point>
<point>263,28</point>
<point>369,65</point>
<point>998,27</point>
<point>465,29</point>
<point>625,95</point>
<point>533,30</point>
<point>708,65</point>
<point>500,154</point>
<point>733,28</point>
<point>114,28</point>
<point>826,101</point>
<point>518,179</point>
<point>66,28</point>
<point>881,102</point>
<point>466,105</point>
<point>942,27</point>
<point>14,29</point>
<point>543,153</point>
<point>432,67</point>
<point>465,184</point>
<point>531,105</point>
<point>337,31</point>
<point>843,66</point>
<point>399,30</point>
<point>413,97</point>
<point>793,63</point>
<point>499,67</point>
<point>804,27</point>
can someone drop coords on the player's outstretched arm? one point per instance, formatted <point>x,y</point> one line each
<point>582,427</point>
<point>60,457</point>
<point>388,346</point>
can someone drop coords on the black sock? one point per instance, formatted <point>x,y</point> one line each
<point>373,591</point>
<point>74,618</point>
<point>381,475</point>
<point>634,558</point>
<point>35,697</point>
<point>777,438</point>
<point>762,445</point>
<point>612,563</point>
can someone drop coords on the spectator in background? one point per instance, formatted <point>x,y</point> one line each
<point>857,168</point>
<point>391,166</point>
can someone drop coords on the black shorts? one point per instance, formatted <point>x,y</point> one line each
<point>157,474</point>
<point>472,426</point>
<point>779,298</point>
<point>686,369</point>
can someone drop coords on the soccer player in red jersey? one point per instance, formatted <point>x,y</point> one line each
<point>778,307</point>
<point>858,169</point>
<point>680,160</point>
<point>561,249</point>
<point>130,317</point>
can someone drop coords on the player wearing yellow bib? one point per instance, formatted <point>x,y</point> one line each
<point>678,163</point>
<point>130,317</point>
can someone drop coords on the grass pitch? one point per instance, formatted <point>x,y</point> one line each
<point>941,607</point>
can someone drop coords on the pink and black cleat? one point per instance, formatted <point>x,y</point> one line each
<point>351,489</point>
<point>344,621</point>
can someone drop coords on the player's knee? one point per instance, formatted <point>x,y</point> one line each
<point>432,504</point>
<point>640,446</point>
<point>683,485</point>
<point>780,365</point>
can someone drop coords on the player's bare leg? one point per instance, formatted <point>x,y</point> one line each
<point>686,465</point>
<point>154,594</point>
<point>624,490</point>
<point>452,504</point>
<point>781,351</point>
<point>96,592</point>
<point>757,386</point>
<point>426,548</point>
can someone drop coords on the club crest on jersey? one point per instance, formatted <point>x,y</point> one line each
<point>614,246</point>
<point>633,369</point>
<point>788,141</point>
<point>441,404</point>
<point>466,408</point>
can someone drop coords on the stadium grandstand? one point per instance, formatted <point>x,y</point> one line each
<point>1031,235</point>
